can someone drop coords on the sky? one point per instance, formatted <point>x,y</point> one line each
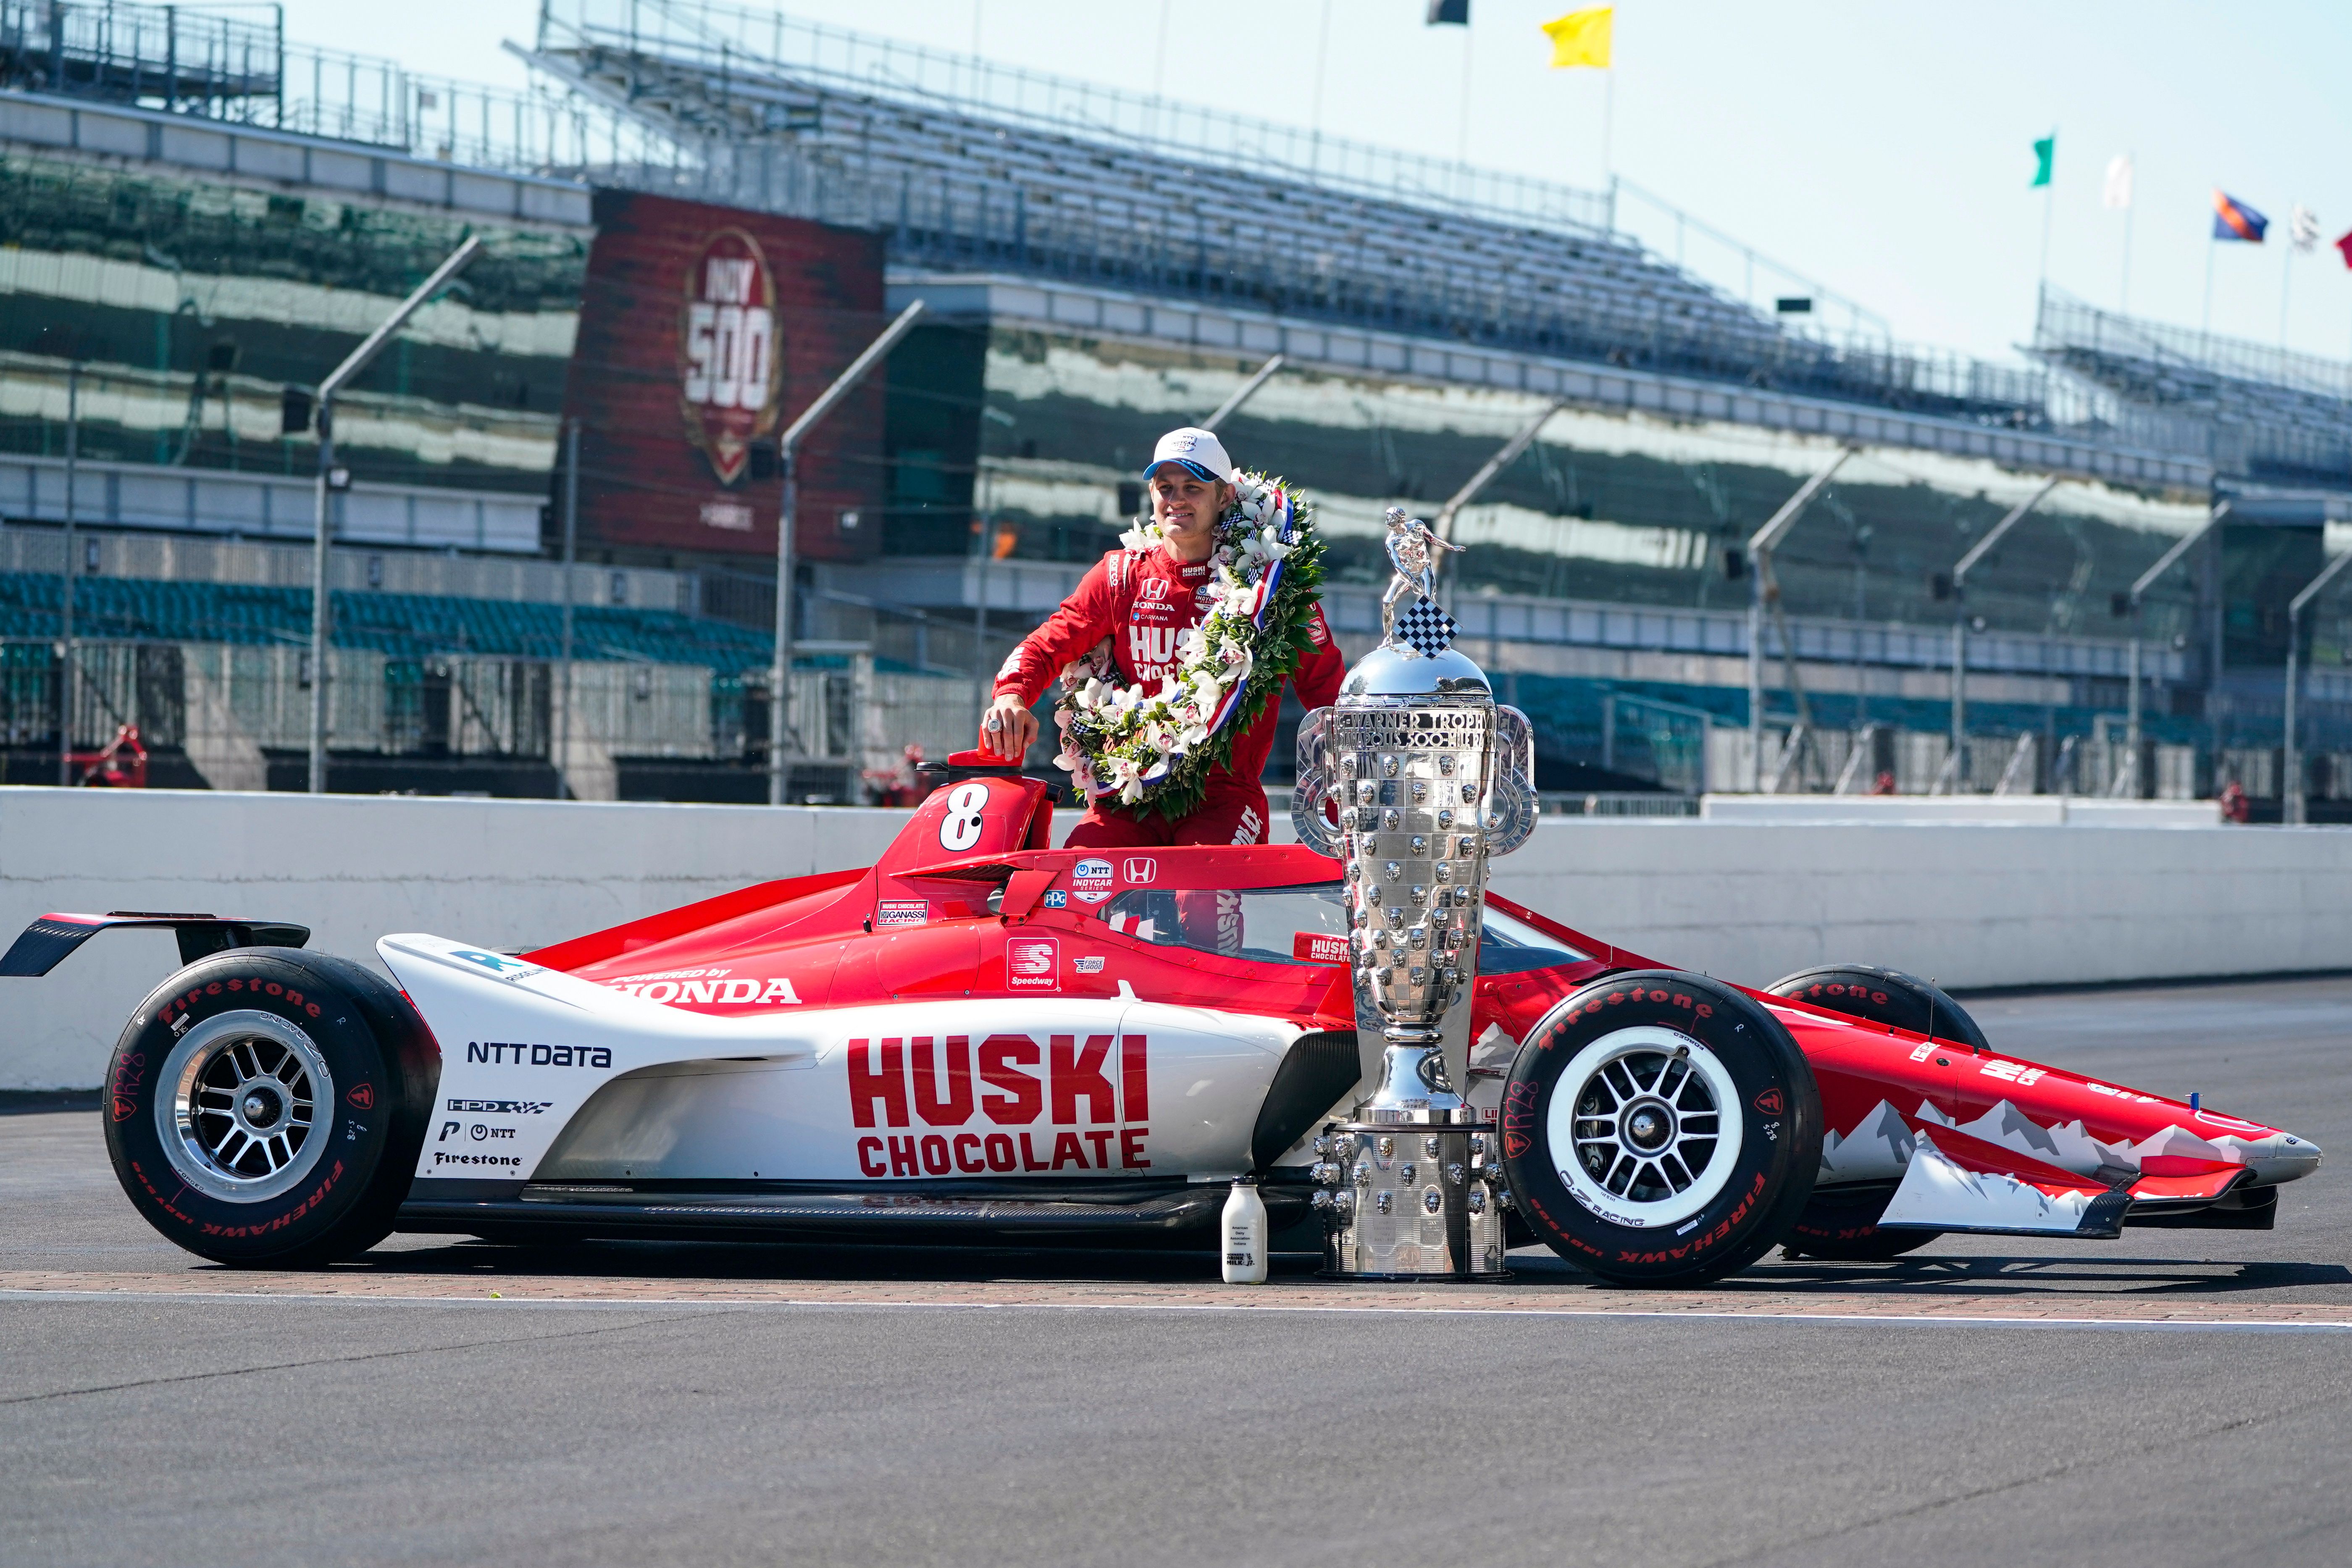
<point>1882,150</point>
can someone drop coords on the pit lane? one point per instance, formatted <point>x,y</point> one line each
<point>654,1402</point>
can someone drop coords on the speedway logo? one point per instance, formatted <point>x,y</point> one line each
<point>1033,964</point>
<point>897,1082</point>
<point>501,1107</point>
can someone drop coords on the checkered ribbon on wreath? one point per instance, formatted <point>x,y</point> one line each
<point>1426,629</point>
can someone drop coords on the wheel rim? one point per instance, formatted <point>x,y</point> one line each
<point>244,1109</point>
<point>1645,1126</point>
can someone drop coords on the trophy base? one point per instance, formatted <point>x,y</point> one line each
<point>1417,1200</point>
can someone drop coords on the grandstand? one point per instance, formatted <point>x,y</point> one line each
<point>2260,413</point>
<point>965,165</point>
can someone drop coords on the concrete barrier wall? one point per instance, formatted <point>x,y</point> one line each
<point>353,867</point>
<point>1973,904</point>
<point>1970,904</point>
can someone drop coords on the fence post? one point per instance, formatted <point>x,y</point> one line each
<point>67,663</point>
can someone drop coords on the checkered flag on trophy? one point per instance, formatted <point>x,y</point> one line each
<point>1426,629</point>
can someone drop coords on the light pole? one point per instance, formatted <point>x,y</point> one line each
<point>2295,809</point>
<point>2129,777</point>
<point>571,549</point>
<point>1960,625</point>
<point>1763,592</point>
<point>788,518</point>
<point>66,661</point>
<point>1243,394</point>
<point>329,480</point>
<point>1502,458</point>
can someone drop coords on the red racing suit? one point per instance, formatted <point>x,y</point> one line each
<point>1141,599</point>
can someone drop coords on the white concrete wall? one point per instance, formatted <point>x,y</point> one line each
<point>353,867</point>
<point>1968,904</point>
<point>1972,904</point>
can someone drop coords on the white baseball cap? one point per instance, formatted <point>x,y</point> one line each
<point>1200,451</point>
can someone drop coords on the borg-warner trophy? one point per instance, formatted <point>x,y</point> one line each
<point>1427,778</point>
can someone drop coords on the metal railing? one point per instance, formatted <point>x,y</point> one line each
<point>226,715</point>
<point>172,57</point>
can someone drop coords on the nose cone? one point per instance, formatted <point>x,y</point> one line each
<point>2281,1157</point>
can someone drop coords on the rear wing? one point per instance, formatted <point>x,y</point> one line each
<point>47,941</point>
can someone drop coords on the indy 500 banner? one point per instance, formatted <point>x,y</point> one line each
<point>703,330</point>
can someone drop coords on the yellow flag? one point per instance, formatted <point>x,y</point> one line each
<point>1582,37</point>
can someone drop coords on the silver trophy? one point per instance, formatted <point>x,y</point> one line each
<point>1427,776</point>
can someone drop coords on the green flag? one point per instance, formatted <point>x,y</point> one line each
<point>2045,152</point>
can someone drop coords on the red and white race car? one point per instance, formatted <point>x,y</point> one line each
<point>981,1039</point>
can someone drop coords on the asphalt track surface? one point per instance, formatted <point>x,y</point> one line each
<point>2174,1397</point>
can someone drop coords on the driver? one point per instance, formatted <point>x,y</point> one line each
<point>1141,599</point>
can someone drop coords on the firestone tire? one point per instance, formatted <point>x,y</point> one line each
<point>1843,1228</point>
<point>265,1107</point>
<point>1885,996</point>
<point>1661,1129</point>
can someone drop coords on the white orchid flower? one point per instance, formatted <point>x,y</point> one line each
<point>1269,544</point>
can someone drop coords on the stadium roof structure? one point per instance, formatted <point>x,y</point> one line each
<point>965,163</point>
<point>2262,413</point>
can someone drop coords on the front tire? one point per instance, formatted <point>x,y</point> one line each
<point>265,1107</point>
<point>1661,1129</point>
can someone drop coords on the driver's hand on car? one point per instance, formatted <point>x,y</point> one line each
<point>1007,730</point>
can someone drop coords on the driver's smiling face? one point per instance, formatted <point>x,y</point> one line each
<point>1186,506</point>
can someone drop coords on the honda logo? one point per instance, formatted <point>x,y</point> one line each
<point>1140,868</point>
<point>1152,588</point>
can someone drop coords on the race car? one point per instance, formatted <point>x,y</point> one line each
<point>985,1039</point>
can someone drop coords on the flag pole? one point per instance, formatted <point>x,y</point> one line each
<point>1462,133</point>
<point>2205,323</point>
<point>2123,302</point>
<point>2286,276</point>
<point>2048,203</point>
<point>1608,117</point>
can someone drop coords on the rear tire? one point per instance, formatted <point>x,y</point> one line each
<point>265,1107</point>
<point>1840,1226</point>
<point>1843,1227</point>
<point>1661,1129</point>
